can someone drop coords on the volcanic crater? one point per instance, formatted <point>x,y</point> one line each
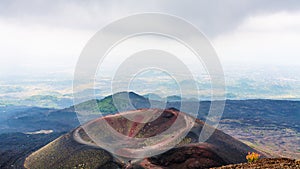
<point>88,145</point>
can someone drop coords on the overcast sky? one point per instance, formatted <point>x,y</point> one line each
<point>48,36</point>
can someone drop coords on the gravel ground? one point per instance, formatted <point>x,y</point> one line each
<point>276,163</point>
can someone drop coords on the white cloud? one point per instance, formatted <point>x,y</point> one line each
<point>276,22</point>
<point>43,36</point>
<point>38,48</point>
<point>262,39</point>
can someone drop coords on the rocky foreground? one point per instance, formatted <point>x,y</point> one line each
<point>276,163</point>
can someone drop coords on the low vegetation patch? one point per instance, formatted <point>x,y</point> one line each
<point>252,157</point>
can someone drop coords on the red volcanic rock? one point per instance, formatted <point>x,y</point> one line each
<point>191,156</point>
<point>157,124</point>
